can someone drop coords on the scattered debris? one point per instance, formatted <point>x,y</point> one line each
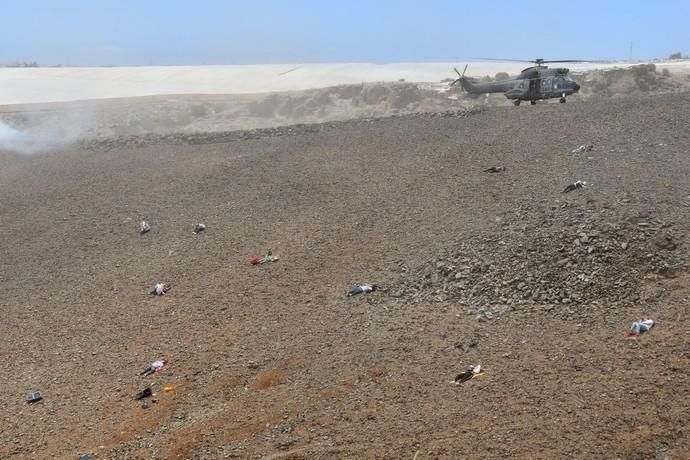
<point>470,373</point>
<point>583,148</point>
<point>33,397</point>
<point>363,289</point>
<point>495,169</point>
<point>574,186</point>
<point>144,227</point>
<point>258,260</point>
<point>145,393</point>
<point>168,389</point>
<point>85,457</point>
<point>198,228</point>
<point>640,326</point>
<point>160,289</point>
<point>144,405</point>
<point>155,367</point>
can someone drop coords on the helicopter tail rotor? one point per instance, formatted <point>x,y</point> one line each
<point>461,76</point>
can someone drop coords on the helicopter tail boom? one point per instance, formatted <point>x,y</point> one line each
<point>470,85</point>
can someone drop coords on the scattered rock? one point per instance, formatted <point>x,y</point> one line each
<point>479,272</point>
<point>664,241</point>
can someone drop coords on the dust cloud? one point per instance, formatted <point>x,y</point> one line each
<point>39,132</point>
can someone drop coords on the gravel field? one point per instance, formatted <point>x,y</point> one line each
<point>275,361</point>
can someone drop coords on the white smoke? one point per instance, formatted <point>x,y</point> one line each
<point>10,138</point>
<point>43,132</point>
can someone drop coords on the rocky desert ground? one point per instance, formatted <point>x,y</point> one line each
<point>275,361</point>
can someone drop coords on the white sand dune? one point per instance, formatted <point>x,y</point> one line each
<point>39,85</point>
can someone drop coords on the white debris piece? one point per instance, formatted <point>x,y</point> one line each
<point>583,148</point>
<point>144,227</point>
<point>574,186</point>
<point>160,289</point>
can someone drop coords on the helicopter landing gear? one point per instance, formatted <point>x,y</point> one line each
<point>516,102</point>
<point>562,100</point>
<point>533,102</point>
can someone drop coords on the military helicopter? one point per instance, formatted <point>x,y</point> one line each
<point>533,83</point>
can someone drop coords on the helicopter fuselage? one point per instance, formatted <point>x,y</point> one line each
<point>532,84</point>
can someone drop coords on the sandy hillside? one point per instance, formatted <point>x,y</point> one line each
<point>274,361</point>
<point>43,126</point>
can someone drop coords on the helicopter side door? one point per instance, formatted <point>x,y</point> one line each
<point>547,87</point>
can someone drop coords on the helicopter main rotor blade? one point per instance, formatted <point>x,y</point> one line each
<point>502,60</point>
<point>542,61</point>
<point>569,60</point>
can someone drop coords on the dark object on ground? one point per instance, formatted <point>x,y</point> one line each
<point>85,457</point>
<point>145,393</point>
<point>495,169</point>
<point>363,289</point>
<point>469,374</point>
<point>144,406</point>
<point>198,228</point>
<point>574,186</point>
<point>33,397</point>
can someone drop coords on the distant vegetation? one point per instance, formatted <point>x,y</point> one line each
<point>21,64</point>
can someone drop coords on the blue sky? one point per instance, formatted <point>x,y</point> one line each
<point>175,32</point>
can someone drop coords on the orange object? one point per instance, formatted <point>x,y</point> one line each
<point>168,389</point>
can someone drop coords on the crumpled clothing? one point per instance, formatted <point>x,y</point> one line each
<point>258,260</point>
<point>641,326</point>
<point>469,374</point>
